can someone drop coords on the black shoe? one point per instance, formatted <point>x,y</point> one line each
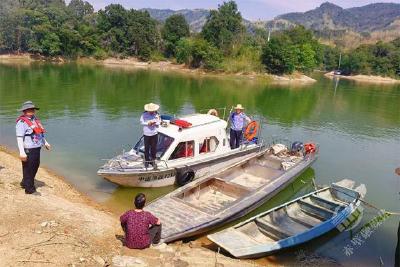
<point>30,191</point>
<point>22,185</point>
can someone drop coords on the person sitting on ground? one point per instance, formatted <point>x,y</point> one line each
<point>141,227</point>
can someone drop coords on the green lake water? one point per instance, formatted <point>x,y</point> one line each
<point>91,113</point>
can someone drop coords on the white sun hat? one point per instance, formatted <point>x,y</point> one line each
<point>239,106</point>
<point>151,107</point>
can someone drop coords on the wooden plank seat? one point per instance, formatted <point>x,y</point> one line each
<point>315,210</point>
<point>326,203</point>
<point>271,230</point>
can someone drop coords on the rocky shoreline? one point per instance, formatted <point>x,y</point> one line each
<point>62,227</point>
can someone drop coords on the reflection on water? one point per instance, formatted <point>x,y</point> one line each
<point>92,113</point>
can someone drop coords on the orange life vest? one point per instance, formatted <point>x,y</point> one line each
<point>36,125</point>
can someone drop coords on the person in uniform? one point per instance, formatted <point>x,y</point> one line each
<point>30,139</point>
<point>150,120</point>
<point>237,120</point>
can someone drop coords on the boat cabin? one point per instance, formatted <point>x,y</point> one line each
<point>206,135</point>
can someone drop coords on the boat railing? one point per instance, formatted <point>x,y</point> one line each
<point>158,161</point>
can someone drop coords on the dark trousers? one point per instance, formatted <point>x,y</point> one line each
<point>30,168</point>
<point>235,138</point>
<point>155,234</point>
<point>154,231</point>
<point>150,148</point>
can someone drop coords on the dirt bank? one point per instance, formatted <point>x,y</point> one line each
<point>134,63</point>
<point>364,78</point>
<point>61,227</point>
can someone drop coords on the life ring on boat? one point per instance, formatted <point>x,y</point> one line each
<point>184,176</point>
<point>251,130</point>
<point>310,148</point>
<point>213,112</point>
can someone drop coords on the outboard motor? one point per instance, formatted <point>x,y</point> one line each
<point>297,147</point>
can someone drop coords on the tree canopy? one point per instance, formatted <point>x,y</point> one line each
<point>53,28</point>
<point>224,27</point>
<point>174,29</point>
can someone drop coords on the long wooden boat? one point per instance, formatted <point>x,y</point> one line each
<point>292,223</point>
<point>225,196</point>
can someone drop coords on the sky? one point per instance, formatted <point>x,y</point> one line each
<point>250,9</point>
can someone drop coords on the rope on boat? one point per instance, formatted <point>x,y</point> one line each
<point>363,201</point>
<point>373,206</point>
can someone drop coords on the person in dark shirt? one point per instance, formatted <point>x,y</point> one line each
<point>141,227</point>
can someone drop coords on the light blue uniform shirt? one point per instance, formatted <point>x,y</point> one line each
<point>33,141</point>
<point>238,121</point>
<point>147,129</point>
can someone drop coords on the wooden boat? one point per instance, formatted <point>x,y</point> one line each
<point>292,223</point>
<point>225,196</point>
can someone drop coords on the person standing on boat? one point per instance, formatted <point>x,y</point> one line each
<point>237,120</point>
<point>150,120</point>
<point>141,227</point>
<point>30,139</point>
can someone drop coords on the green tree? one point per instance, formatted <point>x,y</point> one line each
<point>330,57</point>
<point>224,27</point>
<point>127,32</point>
<point>174,29</point>
<point>279,56</point>
<point>80,8</point>
<point>306,58</point>
<point>198,53</point>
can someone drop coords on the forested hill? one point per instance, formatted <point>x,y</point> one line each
<point>326,20</point>
<point>196,18</point>
<point>369,18</point>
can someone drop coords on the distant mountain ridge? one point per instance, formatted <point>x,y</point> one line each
<point>372,17</point>
<point>328,20</point>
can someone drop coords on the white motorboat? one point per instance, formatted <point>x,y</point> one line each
<point>183,154</point>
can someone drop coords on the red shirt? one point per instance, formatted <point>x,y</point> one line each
<point>137,228</point>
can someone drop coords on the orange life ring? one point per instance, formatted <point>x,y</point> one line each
<point>251,130</point>
<point>310,148</point>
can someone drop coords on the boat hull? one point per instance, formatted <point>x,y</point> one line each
<point>233,241</point>
<point>167,176</point>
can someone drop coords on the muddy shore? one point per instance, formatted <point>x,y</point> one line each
<point>62,227</point>
<point>372,79</point>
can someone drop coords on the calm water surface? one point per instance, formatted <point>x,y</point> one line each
<point>91,113</point>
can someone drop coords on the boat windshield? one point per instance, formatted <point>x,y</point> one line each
<point>164,141</point>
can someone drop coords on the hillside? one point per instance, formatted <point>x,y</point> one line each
<point>369,18</point>
<point>195,18</point>
<point>331,23</point>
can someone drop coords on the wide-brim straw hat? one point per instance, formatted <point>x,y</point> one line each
<point>239,106</point>
<point>28,105</point>
<point>151,107</point>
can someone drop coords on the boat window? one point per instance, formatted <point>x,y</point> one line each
<point>183,150</point>
<point>163,143</point>
<point>209,144</point>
